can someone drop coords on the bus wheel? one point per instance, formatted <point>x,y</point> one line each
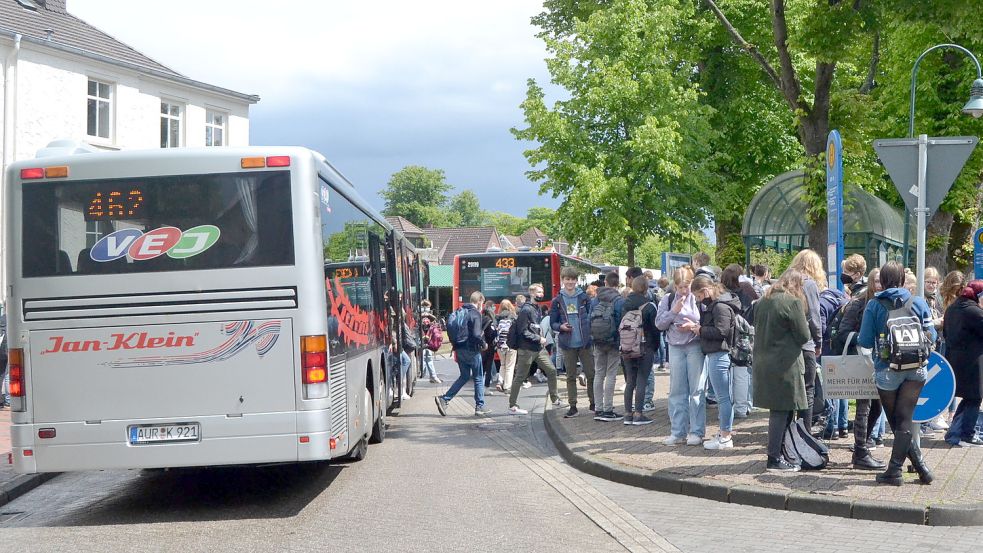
<point>379,428</point>
<point>359,451</point>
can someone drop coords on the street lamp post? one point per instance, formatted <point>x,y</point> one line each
<point>973,107</point>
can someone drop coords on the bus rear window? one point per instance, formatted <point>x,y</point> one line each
<point>151,224</point>
<point>499,278</point>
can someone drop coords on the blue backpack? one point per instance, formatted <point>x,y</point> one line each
<point>457,327</point>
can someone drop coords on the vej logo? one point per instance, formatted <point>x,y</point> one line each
<point>141,246</point>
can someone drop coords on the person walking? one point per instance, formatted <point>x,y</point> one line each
<point>468,350</point>
<point>506,355</point>
<point>810,265</point>
<point>687,370</point>
<point>530,348</point>
<point>963,330</point>
<point>432,339</point>
<point>638,321</point>
<point>606,312</point>
<point>570,319</point>
<point>898,387</point>
<point>780,331</point>
<point>718,309</point>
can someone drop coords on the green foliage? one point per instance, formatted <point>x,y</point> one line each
<point>629,151</point>
<point>417,194</point>
<point>464,210</point>
<point>545,219</point>
<point>731,251</point>
<point>777,261</point>
<point>505,223</point>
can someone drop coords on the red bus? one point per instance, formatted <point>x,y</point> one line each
<point>504,275</point>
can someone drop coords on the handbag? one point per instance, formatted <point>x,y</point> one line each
<point>848,376</point>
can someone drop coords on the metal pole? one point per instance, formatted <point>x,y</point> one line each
<point>921,211</point>
<point>906,241</point>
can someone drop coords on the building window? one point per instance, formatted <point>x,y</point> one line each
<point>100,107</point>
<point>214,128</point>
<point>170,125</point>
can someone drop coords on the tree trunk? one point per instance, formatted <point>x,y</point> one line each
<point>813,135</point>
<point>938,240</point>
<point>960,258</point>
<point>630,245</point>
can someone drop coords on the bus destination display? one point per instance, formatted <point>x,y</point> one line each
<point>115,204</point>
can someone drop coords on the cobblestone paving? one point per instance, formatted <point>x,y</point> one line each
<point>958,471</point>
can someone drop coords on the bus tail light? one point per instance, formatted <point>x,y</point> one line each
<point>252,162</point>
<point>15,362</point>
<point>314,366</point>
<point>47,433</point>
<point>278,161</point>
<point>32,173</point>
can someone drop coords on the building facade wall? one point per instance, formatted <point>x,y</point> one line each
<point>52,104</point>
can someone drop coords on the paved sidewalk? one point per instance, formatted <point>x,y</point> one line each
<point>13,485</point>
<point>636,455</point>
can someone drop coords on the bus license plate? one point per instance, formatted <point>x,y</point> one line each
<point>164,433</point>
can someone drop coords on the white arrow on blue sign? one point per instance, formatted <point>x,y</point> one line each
<point>939,389</point>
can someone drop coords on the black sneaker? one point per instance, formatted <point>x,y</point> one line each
<point>613,416</point>
<point>591,408</point>
<point>844,433</point>
<point>781,465</point>
<point>571,413</point>
<point>441,405</point>
<point>628,419</point>
<point>878,442</point>
<point>481,411</point>
<point>641,420</point>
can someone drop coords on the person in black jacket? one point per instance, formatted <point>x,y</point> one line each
<point>637,369</point>
<point>718,309</point>
<point>469,359</point>
<point>741,375</point>
<point>489,331</point>
<point>530,348</point>
<point>963,329</point>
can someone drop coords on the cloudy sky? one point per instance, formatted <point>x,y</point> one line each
<point>373,85</point>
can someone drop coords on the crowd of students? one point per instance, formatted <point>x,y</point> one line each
<point>743,343</point>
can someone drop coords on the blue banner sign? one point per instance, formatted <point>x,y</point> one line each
<point>834,208</point>
<point>978,253</point>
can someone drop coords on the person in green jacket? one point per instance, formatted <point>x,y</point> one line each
<point>781,330</point>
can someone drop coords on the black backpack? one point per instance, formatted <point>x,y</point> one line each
<point>602,324</point>
<point>904,345</point>
<point>799,444</point>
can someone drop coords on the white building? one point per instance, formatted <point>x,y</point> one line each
<point>64,78</point>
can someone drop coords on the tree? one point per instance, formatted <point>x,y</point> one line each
<point>505,223</point>
<point>465,210</point>
<point>417,194</point>
<point>544,219</point>
<point>629,150</point>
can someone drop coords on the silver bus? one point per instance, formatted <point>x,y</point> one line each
<point>196,307</point>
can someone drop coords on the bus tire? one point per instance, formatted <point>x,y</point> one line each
<point>379,427</point>
<point>360,450</point>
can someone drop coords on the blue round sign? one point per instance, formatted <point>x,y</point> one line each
<point>940,388</point>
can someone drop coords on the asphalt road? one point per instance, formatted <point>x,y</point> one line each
<point>455,483</point>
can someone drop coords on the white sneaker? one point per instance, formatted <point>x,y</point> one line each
<point>719,443</point>
<point>527,384</point>
<point>582,380</point>
<point>939,423</point>
<point>673,440</point>
<point>515,410</point>
<point>559,404</point>
<point>649,406</point>
<point>693,439</point>
<point>405,396</point>
<point>540,378</point>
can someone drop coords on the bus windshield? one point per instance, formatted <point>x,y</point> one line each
<point>165,223</point>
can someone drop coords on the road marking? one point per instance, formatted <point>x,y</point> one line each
<point>621,525</point>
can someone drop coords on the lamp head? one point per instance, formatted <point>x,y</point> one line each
<point>974,106</point>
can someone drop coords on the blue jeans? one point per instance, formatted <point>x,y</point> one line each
<point>880,427</point>
<point>888,380</point>
<point>469,363</point>
<point>687,390</point>
<point>741,388</point>
<point>838,414</point>
<point>404,367</point>
<point>650,386</point>
<point>428,369</point>
<point>964,422</point>
<point>718,370</point>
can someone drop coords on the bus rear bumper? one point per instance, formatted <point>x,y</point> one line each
<point>250,439</point>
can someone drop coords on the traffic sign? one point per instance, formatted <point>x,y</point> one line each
<point>940,388</point>
<point>946,157</point>
<point>978,253</point>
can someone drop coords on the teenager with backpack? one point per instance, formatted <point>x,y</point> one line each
<point>605,316</point>
<point>746,294</point>
<point>433,338</point>
<point>464,332</point>
<point>506,355</point>
<point>687,370</point>
<point>831,302</point>
<point>810,265</point>
<point>963,328</point>
<point>526,338</point>
<point>718,311</point>
<point>570,319</point>
<point>780,330</point>
<point>897,328</point>
<point>637,338</point>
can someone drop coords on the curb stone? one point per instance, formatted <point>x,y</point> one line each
<point>21,484</point>
<point>945,515</point>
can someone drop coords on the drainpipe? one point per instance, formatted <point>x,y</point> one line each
<point>9,135</point>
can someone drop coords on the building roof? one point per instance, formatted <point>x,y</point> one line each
<point>454,241</point>
<point>48,23</point>
<point>405,226</point>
